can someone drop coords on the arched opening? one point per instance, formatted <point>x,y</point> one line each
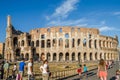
<point>90,43</point>
<point>78,42</point>
<point>34,53</point>
<point>15,41</point>
<point>95,43</point>
<point>42,43</point>
<point>96,56</point>
<point>42,57</point>
<point>37,57</point>
<point>67,56</point>
<point>73,56</point>
<point>48,56</point>
<point>104,56</point>
<point>54,56</point>
<point>67,43</point>
<point>61,57</point>
<point>37,43</point>
<point>91,56</point>
<point>79,57</point>
<point>100,43</point>
<point>84,43</point>
<point>60,30</point>
<point>48,43</point>
<point>22,43</point>
<point>85,56</point>
<point>60,42</point>
<point>26,56</point>
<point>100,55</point>
<point>17,54</point>
<point>32,43</point>
<point>54,42</point>
<point>22,56</point>
<point>73,42</point>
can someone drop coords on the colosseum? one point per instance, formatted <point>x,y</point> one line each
<point>58,44</point>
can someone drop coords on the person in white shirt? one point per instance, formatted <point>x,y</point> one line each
<point>45,70</point>
<point>30,68</point>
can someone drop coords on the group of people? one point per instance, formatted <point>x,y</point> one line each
<point>102,73</point>
<point>83,69</point>
<point>16,73</point>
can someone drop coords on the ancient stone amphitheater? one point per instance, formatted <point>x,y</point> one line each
<point>59,44</point>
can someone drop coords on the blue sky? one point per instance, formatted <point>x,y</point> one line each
<point>30,14</point>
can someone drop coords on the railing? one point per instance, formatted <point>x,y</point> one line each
<point>58,75</point>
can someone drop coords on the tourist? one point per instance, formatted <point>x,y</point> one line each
<point>85,69</point>
<point>21,67</point>
<point>6,69</point>
<point>1,70</point>
<point>45,70</point>
<point>30,69</point>
<point>79,70</point>
<point>117,75</point>
<point>102,71</point>
<point>14,68</point>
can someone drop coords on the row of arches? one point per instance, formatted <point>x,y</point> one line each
<point>64,56</point>
<point>51,43</point>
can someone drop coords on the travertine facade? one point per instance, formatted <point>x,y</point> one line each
<point>1,49</point>
<point>59,44</point>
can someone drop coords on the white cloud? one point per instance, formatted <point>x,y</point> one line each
<point>106,28</point>
<point>117,13</point>
<point>64,9</point>
<point>78,22</point>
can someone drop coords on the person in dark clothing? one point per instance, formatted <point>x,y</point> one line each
<point>1,70</point>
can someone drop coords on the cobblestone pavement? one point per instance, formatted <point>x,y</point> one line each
<point>92,74</point>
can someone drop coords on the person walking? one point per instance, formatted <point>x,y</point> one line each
<point>102,70</point>
<point>21,68</point>
<point>6,69</point>
<point>1,70</point>
<point>45,70</point>
<point>30,69</point>
<point>85,69</point>
<point>79,71</point>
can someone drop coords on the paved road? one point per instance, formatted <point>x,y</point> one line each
<point>92,74</point>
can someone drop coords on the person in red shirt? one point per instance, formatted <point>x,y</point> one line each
<point>79,70</point>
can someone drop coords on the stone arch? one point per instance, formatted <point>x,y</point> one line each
<point>96,54</point>
<point>15,41</point>
<point>101,56</point>
<point>73,42</point>
<point>26,56</point>
<point>90,43</point>
<point>95,43</point>
<point>100,43</point>
<point>79,57</point>
<point>91,56</point>
<point>22,56</point>
<point>34,53</point>
<point>54,42</point>
<point>37,57</point>
<point>84,42</point>
<point>61,56</point>
<point>73,56</point>
<point>48,43</point>
<point>67,56</point>
<point>22,43</point>
<point>48,56</point>
<point>42,56</point>
<point>104,56</point>
<point>78,42</point>
<point>85,56</point>
<point>66,43</point>
<point>37,43</point>
<point>54,57</point>
<point>17,54</point>
<point>60,42</point>
<point>32,43</point>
